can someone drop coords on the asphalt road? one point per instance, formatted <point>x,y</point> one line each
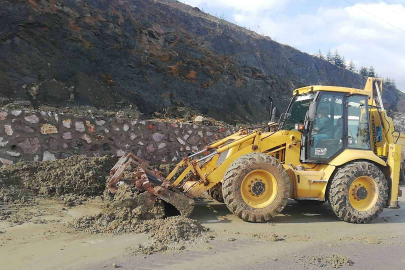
<point>305,232</point>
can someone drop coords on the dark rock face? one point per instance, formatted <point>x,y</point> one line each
<point>150,55</point>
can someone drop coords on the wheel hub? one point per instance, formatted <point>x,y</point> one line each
<point>361,193</point>
<point>258,188</point>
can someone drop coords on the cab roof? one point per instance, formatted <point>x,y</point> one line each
<point>314,88</point>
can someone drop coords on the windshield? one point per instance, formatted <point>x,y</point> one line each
<point>297,111</point>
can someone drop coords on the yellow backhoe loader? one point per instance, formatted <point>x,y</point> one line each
<point>332,144</point>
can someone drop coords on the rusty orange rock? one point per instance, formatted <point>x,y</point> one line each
<point>90,127</point>
<point>191,75</point>
<point>48,129</point>
<point>67,123</point>
<point>239,82</point>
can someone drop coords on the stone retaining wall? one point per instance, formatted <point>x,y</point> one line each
<point>39,135</point>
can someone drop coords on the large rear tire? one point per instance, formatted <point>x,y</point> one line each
<point>256,187</point>
<point>358,192</point>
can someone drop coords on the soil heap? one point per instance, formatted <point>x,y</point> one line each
<point>132,211</point>
<point>72,180</point>
<point>74,175</point>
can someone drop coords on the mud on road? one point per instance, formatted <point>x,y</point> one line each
<point>299,238</point>
<point>45,192</point>
<point>50,224</point>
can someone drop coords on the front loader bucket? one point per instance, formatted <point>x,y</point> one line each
<point>145,178</point>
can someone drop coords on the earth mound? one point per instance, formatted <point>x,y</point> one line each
<point>78,175</point>
<point>133,212</point>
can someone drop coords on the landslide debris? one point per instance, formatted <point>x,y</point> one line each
<point>328,260</point>
<point>133,212</point>
<point>179,114</point>
<point>72,180</point>
<point>123,214</point>
<point>172,233</point>
<point>78,175</point>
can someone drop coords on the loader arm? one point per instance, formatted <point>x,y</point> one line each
<point>191,177</point>
<point>204,173</point>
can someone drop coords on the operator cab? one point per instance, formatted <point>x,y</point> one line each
<point>330,122</point>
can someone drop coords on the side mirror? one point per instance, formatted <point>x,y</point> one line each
<point>312,112</point>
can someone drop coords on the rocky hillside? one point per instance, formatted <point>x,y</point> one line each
<point>149,55</point>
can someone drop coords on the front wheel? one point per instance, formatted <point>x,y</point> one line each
<point>358,192</point>
<point>256,187</point>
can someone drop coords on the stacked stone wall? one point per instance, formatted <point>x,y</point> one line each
<point>40,135</point>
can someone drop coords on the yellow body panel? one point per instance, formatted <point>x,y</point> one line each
<point>310,184</point>
<point>399,138</point>
<point>353,154</point>
<point>314,88</point>
<point>394,162</point>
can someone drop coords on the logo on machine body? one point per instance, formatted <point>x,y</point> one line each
<point>374,134</point>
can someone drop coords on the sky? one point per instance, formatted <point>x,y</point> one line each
<point>369,32</point>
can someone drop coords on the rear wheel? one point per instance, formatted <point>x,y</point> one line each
<point>358,192</point>
<point>256,187</point>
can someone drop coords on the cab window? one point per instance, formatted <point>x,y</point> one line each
<point>297,111</point>
<point>326,136</point>
<point>357,123</point>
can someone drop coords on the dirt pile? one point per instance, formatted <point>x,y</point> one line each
<point>172,233</point>
<point>132,211</point>
<point>14,194</point>
<point>78,175</point>
<point>15,203</point>
<point>174,229</point>
<point>123,214</point>
<point>72,180</point>
<point>330,260</point>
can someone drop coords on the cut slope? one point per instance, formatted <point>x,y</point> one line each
<point>150,55</point>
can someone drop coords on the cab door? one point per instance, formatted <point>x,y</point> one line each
<point>358,125</point>
<point>325,136</point>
